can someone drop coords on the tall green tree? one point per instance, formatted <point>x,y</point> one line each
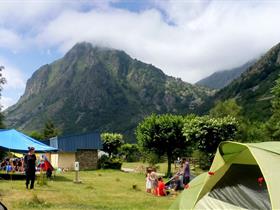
<point>273,124</point>
<point>226,108</point>
<point>208,132</point>
<point>162,134</point>
<point>112,142</point>
<point>248,131</point>
<point>36,135</point>
<point>2,82</point>
<point>50,130</point>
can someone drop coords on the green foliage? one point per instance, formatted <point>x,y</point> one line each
<point>208,132</point>
<point>151,157</point>
<point>273,124</point>
<point>203,159</point>
<point>42,179</point>
<point>252,132</point>
<point>36,135</point>
<point>130,152</point>
<point>252,89</point>
<point>50,130</point>
<point>106,162</point>
<point>161,134</point>
<point>226,108</point>
<point>36,203</point>
<point>112,142</point>
<point>93,88</point>
<point>3,154</point>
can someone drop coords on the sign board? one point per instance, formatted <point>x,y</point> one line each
<point>77,166</point>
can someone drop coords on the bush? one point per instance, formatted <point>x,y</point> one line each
<point>106,162</point>
<point>130,152</point>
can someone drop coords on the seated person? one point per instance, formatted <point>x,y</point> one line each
<point>9,168</point>
<point>177,185</point>
<point>48,168</point>
<point>160,190</point>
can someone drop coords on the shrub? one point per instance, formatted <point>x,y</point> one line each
<point>106,162</point>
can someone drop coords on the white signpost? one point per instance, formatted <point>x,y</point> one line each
<point>77,168</point>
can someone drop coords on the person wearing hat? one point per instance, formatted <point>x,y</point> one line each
<point>29,167</point>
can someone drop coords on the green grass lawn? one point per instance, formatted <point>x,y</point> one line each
<point>101,189</point>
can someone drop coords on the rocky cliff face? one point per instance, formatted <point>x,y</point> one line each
<point>94,88</point>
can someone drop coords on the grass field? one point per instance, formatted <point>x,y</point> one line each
<point>101,189</point>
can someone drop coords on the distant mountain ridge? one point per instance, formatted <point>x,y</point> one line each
<point>252,89</point>
<point>221,79</point>
<point>93,88</point>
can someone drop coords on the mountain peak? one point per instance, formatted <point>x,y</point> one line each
<point>252,89</point>
<point>93,88</point>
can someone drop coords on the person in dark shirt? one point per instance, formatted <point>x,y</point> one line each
<point>29,167</point>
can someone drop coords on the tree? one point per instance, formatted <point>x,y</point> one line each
<point>2,82</point>
<point>130,152</point>
<point>226,108</point>
<point>273,124</point>
<point>208,132</point>
<point>50,130</point>
<point>112,142</point>
<point>161,134</point>
<point>248,131</point>
<point>36,135</point>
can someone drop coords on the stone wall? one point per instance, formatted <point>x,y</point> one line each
<point>87,158</point>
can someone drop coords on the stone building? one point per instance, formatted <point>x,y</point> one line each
<point>82,148</point>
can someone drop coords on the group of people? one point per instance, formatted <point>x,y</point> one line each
<point>12,165</point>
<point>179,181</point>
<point>28,165</point>
<point>155,184</point>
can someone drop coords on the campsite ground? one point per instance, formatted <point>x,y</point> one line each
<point>101,189</point>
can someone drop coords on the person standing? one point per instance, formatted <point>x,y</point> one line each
<point>29,167</point>
<point>186,171</point>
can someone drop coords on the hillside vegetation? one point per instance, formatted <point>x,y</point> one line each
<point>93,88</point>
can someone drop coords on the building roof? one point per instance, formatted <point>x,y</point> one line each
<point>72,143</point>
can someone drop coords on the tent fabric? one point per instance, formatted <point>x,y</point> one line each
<point>265,155</point>
<point>12,140</point>
<point>242,189</point>
<point>208,202</point>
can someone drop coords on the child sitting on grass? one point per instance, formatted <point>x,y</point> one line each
<point>160,190</point>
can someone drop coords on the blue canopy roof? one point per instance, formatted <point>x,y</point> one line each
<point>13,140</point>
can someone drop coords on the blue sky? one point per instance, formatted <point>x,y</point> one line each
<point>186,39</point>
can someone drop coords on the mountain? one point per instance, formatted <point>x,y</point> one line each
<point>93,88</point>
<point>252,89</point>
<point>220,79</point>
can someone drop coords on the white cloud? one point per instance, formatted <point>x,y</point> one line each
<point>6,102</point>
<point>203,38</point>
<point>191,40</point>
<point>10,39</point>
<point>15,85</point>
<point>14,76</point>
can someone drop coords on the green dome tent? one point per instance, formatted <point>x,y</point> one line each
<point>242,176</point>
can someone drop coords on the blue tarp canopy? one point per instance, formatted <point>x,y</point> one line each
<point>12,140</point>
